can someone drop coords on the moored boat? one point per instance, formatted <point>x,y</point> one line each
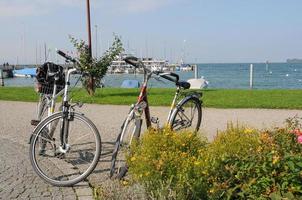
<point>26,72</point>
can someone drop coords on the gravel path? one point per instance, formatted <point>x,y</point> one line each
<point>17,179</point>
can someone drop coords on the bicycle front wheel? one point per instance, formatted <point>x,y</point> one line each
<point>187,115</point>
<point>65,156</point>
<point>130,131</point>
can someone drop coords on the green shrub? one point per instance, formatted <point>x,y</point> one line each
<point>225,161</point>
<point>167,163</point>
<point>241,163</point>
<point>248,164</point>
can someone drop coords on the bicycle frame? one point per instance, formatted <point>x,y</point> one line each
<point>142,104</point>
<point>67,84</point>
<point>143,98</point>
<point>52,100</point>
<point>66,106</point>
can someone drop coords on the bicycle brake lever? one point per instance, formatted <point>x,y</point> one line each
<point>79,104</point>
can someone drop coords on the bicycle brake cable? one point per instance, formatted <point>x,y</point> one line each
<point>75,86</point>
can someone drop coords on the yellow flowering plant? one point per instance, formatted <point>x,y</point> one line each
<point>165,160</point>
<point>240,163</point>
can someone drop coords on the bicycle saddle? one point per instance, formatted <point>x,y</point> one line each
<point>183,84</point>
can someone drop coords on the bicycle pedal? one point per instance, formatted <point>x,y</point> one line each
<point>154,120</point>
<point>34,122</point>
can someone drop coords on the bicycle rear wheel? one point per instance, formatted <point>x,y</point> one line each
<point>130,131</point>
<point>187,115</point>
<point>67,162</point>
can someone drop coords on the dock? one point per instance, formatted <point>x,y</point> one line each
<point>7,71</point>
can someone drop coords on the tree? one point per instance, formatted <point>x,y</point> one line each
<point>95,68</point>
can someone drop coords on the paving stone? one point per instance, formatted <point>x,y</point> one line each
<point>46,194</point>
<point>68,191</point>
<point>83,192</point>
<point>18,180</point>
<point>69,197</point>
<point>85,198</point>
<point>14,159</point>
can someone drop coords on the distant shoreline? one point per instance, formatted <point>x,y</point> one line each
<point>191,63</point>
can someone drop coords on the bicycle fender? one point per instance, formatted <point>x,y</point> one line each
<point>193,96</point>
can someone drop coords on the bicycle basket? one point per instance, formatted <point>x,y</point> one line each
<point>46,88</point>
<point>46,76</point>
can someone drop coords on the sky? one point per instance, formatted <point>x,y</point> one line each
<point>202,31</point>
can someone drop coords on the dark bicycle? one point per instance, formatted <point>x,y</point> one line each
<point>184,115</point>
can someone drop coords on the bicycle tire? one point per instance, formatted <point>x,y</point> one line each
<point>54,162</point>
<point>118,168</point>
<point>42,110</point>
<point>179,112</point>
<point>41,107</point>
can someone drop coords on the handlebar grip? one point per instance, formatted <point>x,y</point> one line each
<point>61,53</point>
<point>167,76</point>
<point>67,57</point>
<point>132,61</point>
<point>175,75</point>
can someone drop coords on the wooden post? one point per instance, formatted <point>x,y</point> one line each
<point>1,78</point>
<point>91,81</point>
<point>251,76</point>
<point>89,27</point>
<point>196,71</point>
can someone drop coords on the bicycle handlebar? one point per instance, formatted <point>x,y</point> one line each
<point>67,57</point>
<point>132,61</point>
<point>166,75</point>
<point>137,63</point>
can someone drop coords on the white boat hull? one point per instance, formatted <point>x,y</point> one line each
<point>198,83</point>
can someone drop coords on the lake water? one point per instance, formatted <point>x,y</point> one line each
<point>278,76</point>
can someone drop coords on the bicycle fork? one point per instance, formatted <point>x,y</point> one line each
<point>64,131</point>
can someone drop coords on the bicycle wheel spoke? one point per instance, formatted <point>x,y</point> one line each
<point>185,121</point>
<point>47,139</point>
<point>185,116</point>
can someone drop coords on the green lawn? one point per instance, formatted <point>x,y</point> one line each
<point>218,98</point>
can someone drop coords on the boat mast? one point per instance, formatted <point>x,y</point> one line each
<point>45,52</point>
<point>36,53</point>
<point>96,41</point>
